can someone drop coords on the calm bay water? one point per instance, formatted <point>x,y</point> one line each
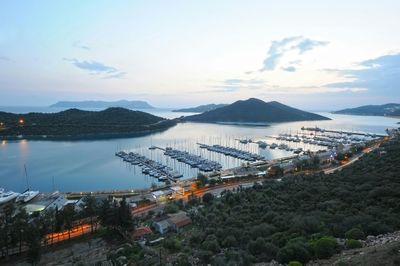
<point>92,165</point>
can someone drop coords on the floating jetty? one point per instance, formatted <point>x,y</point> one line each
<point>150,167</point>
<point>193,160</point>
<point>228,151</point>
<point>349,133</point>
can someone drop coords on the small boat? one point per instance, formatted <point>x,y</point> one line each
<point>27,196</point>
<point>7,196</point>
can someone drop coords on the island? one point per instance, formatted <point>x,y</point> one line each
<point>390,109</point>
<point>201,108</point>
<point>254,111</point>
<point>78,124</point>
<point>103,104</point>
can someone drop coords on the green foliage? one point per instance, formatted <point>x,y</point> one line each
<point>324,247</point>
<point>77,123</point>
<point>355,233</point>
<point>202,180</point>
<point>294,251</point>
<point>171,208</point>
<point>352,243</point>
<point>293,215</point>
<point>173,244</point>
<point>295,263</point>
<point>208,198</point>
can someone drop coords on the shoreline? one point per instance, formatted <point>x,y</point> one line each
<point>94,136</point>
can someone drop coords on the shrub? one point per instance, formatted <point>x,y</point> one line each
<point>352,243</point>
<point>208,198</point>
<point>295,263</point>
<point>293,251</point>
<point>325,247</point>
<point>355,233</point>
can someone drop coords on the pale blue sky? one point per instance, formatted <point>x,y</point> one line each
<point>310,54</point>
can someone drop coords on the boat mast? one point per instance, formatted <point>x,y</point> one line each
<point>26,177</point>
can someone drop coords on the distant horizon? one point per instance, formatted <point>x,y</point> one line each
<point>174,107</point>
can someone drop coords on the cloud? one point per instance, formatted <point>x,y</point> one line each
<point>233,85</point>
<point>379,76</point>
<point>4,58</point>
<point>80,46</point>
<point>289,69</point>
<point>279,48</point>
<point>97,68</point>
<point>308,44</point>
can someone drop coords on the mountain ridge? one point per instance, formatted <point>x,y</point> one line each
<point>201,108</point>
<point>389,109</point>
<point>80,124</point>
<point>103,104</point>
<point>255,111</point>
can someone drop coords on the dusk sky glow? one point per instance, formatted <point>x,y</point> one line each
<point>309,54</point>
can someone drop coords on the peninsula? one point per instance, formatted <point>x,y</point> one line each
<point>390,109</point>
<point>78,124</point>
<point>254,111</point>
<point>201,108</point>
<point>103,104</point>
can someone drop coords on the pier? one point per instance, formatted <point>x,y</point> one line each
<point>233,152</point>
<point>322,130</point>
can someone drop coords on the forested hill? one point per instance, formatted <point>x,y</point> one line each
<point>390,109</point>
<point>103,104</point>
<point>299,218</point>
<point>255,111</point>
<point>201,108</point>
<point>112,122</point>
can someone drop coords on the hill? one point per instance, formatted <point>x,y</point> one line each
<point>200,108</point>
<point>301,216</point>
<point>103,104</point>
<point>255,111</point>
<point>74,123</point>
<point>390,109</point>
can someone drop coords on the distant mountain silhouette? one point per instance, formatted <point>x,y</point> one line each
<point>255,111</point>
<point>390,109</point>
<point>74,123</point>
<point>103,104</point>
<point>201,108</point>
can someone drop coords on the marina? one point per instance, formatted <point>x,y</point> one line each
<point>91,168</point>
<point>150,167</point>
<point>233,152</point>
<point>193,160</point>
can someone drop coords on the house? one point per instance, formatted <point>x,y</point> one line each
<point>161,226</point>
<point>141,232</point>
<point>179,220</point>
<point>173,222</point>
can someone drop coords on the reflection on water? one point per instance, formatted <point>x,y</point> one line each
<point>92,165</point>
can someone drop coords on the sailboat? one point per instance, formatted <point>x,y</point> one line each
<point>28,194</point>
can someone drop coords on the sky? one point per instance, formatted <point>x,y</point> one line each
<point>316,55</point>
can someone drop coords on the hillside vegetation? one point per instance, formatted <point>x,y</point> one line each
<point>77,123</point>
<point>255,111</point>
<point>390,109</point>
<point>299,218</point>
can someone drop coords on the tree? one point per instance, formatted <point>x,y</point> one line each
<point>355,233</point>
<point>293,251</point>
<point>352,243</point>
<point>202,180</point>
<point>208,198</point>
<point>90,209</point>
<point>325,247</point>
<point>69,216</point>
